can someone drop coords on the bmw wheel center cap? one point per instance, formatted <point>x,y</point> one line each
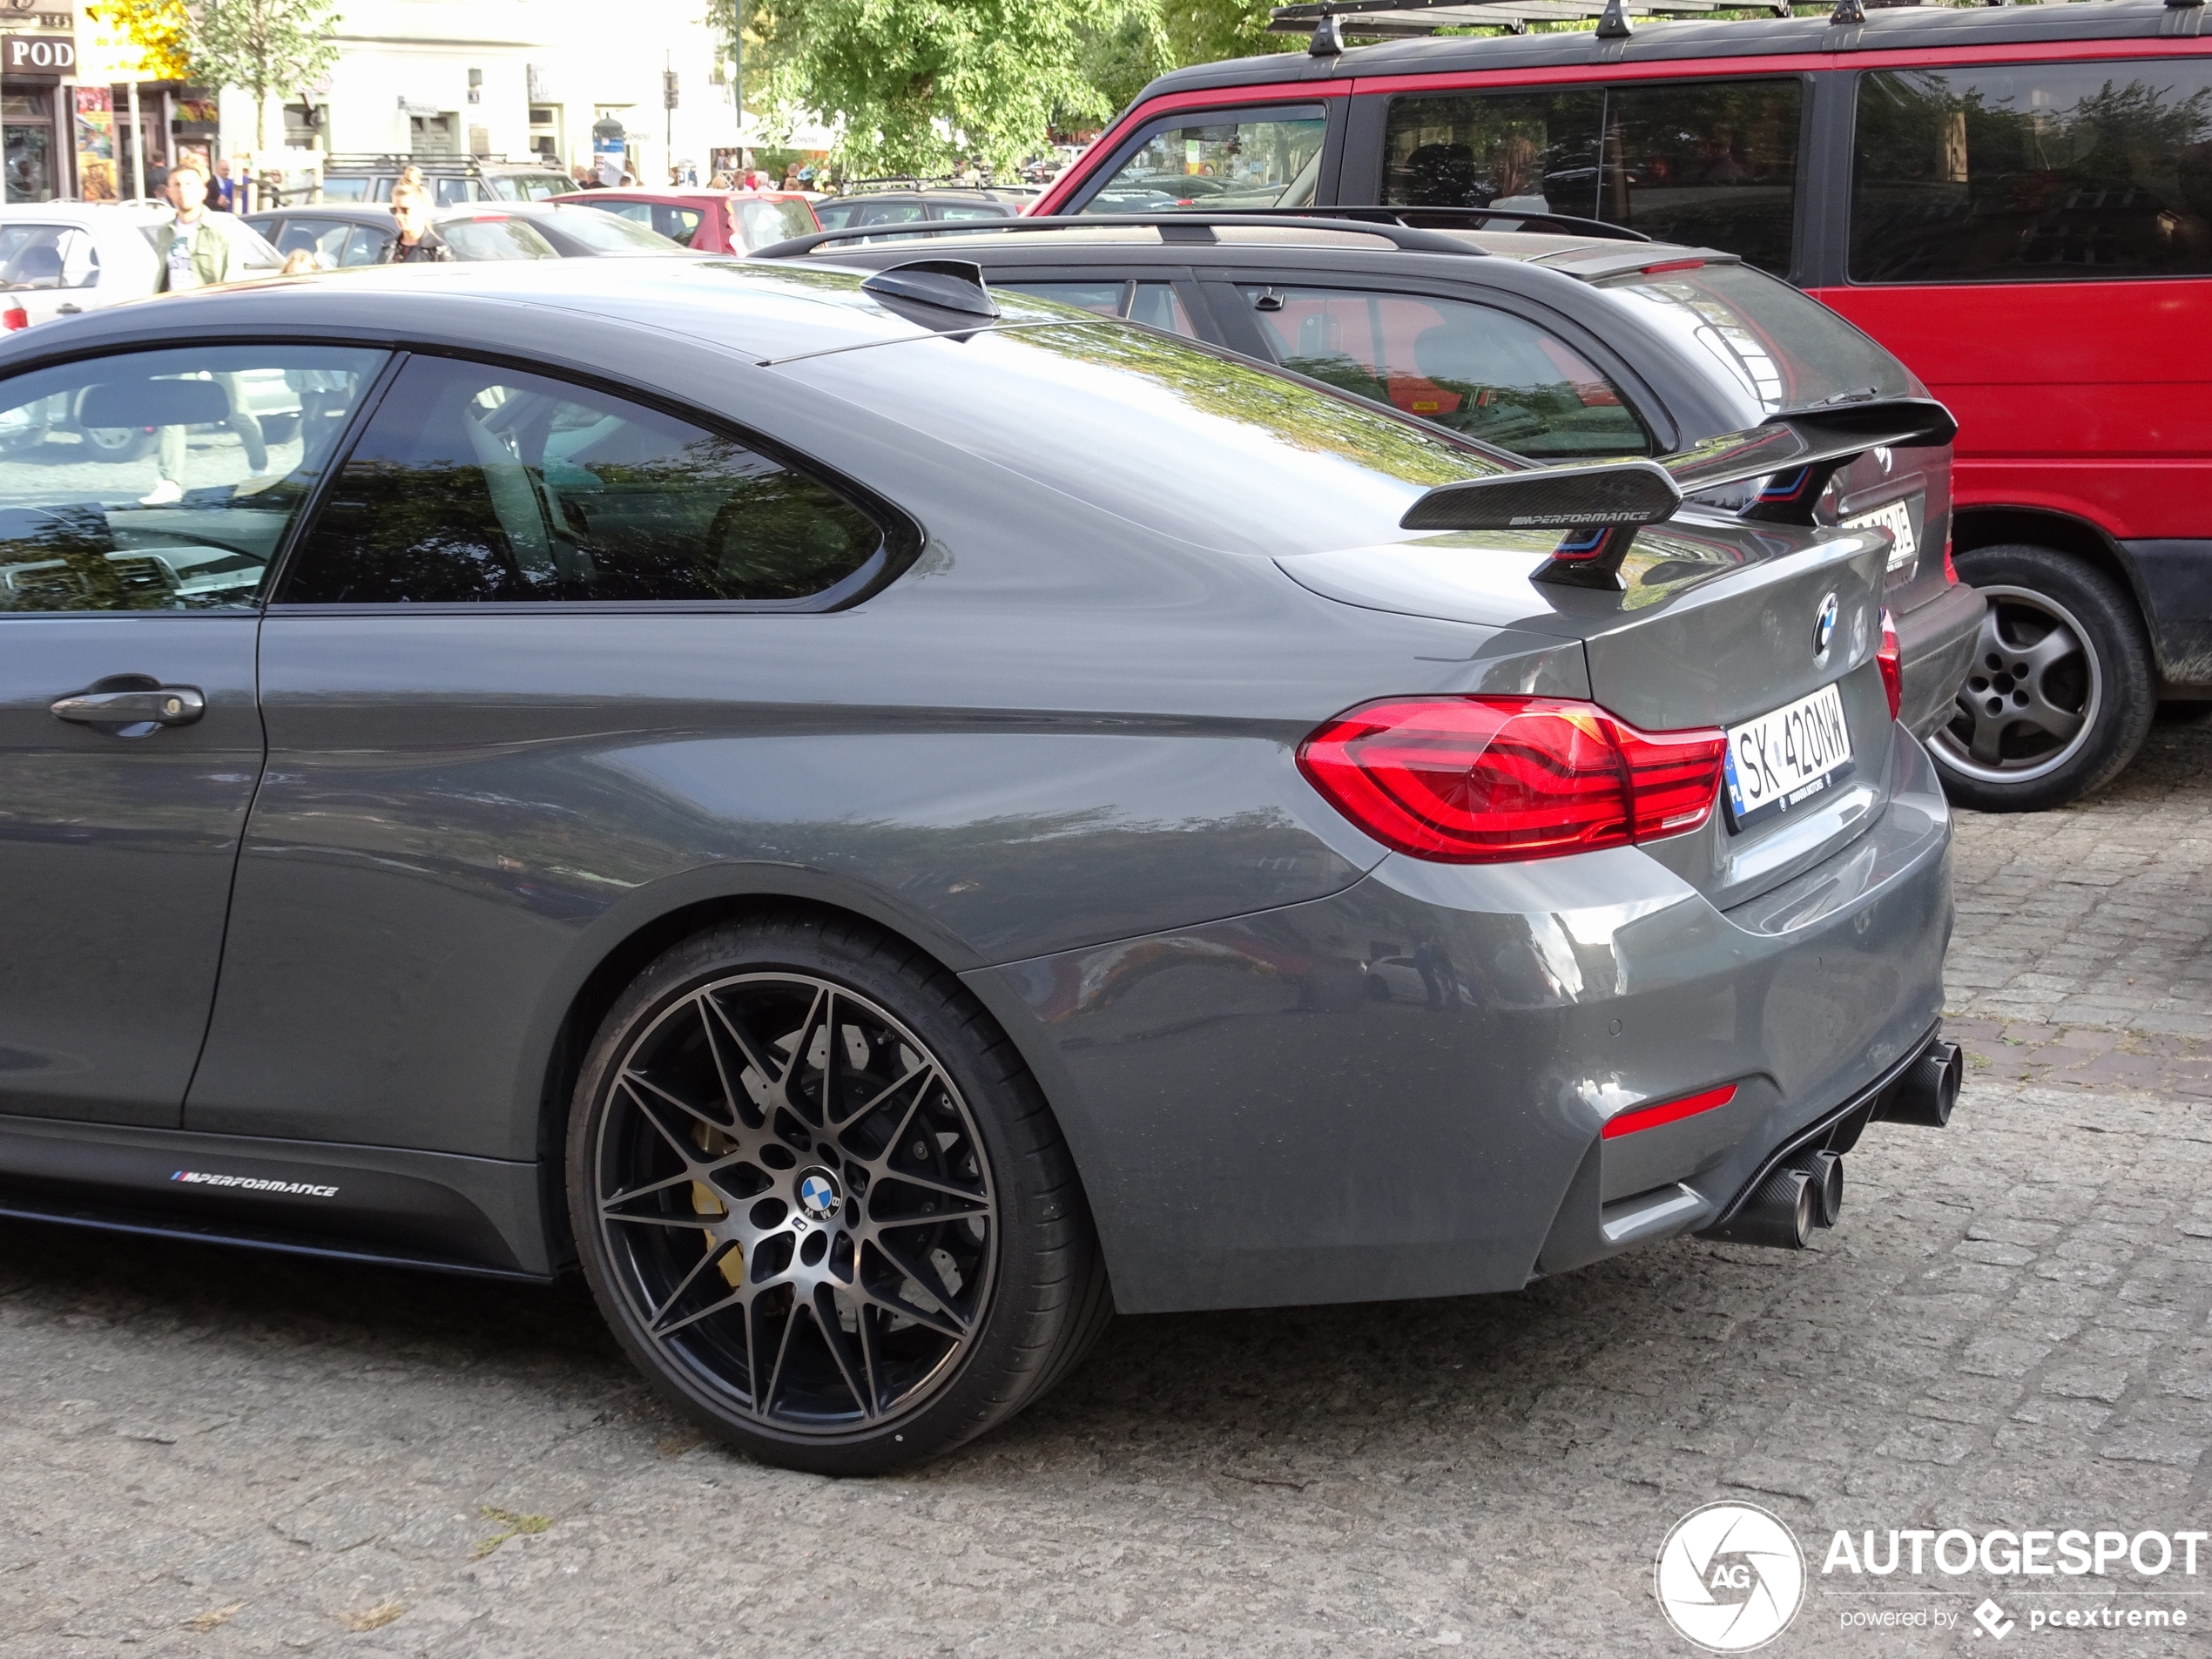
<point>819,1194</point>
<point>1824,626</point>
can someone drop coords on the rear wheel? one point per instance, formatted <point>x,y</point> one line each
<point>2059,696</point>
<point>821,1202</point>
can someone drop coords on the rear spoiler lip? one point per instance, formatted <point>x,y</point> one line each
<point>1809,438</point>
<point>1802,450</point>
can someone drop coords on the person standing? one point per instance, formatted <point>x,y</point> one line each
<point>192,251</point>
<point>220,192</point>
<point>416,243</point>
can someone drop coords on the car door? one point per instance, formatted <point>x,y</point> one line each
<point>130,742</point>
<point>465,753</point>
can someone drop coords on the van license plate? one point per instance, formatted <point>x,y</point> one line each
<point>1783,760</point>
<point>1897,519</point>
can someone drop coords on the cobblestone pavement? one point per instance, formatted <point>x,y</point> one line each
<point>211,1454</point>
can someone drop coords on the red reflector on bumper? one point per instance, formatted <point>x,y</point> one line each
<point>1666,1111</point>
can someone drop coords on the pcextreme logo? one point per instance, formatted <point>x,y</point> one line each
<point>1730,1577</point>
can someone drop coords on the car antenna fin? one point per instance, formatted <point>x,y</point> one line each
<point>943,285</point>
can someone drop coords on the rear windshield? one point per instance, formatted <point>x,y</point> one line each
<point>610,233</point>
<point>774,222</point>
<point>496,239</point>
<point>1776,349</point>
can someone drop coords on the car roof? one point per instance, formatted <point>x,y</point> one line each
<point>1887,28</point>
<point>762,312</point>
<point>361,212</point>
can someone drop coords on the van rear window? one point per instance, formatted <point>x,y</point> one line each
<point>2051,173</point>
<point>1783,350</point>
<point>1712,163</point>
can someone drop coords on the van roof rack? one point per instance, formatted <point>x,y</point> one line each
<point>1330,21</point>
<point>1179,227</point>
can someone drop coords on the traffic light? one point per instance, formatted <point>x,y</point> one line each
<point>668,89</point>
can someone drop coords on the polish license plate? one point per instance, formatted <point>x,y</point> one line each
<point>1783,760</point>
<point>1897,519</point>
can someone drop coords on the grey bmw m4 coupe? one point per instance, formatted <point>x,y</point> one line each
<point>884,823</point>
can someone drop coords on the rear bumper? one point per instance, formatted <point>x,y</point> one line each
<point>1399,1091</point>
<point>1935,643</point>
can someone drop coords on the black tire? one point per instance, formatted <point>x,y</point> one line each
<point>2060,696</point>
<point>703,1170</point>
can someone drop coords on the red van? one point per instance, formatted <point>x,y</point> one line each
<point>2016,200</point>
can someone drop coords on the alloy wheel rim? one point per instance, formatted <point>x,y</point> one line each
<point>795,1203</point>
<point>2033,692</point>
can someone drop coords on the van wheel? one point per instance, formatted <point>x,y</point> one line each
<point>821,1202</point>
<point>2059,696</point>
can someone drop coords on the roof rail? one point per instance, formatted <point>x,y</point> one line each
<point>1458,218</point>
<point>1332,21</point>
<point>1197,227</point>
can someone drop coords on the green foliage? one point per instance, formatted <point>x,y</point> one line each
<point>268,48</point>
<point>1205,31</point>
<point>1122,51</point>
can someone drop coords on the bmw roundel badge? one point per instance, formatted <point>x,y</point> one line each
<point>818,1193</point>
<point>1823,625</point>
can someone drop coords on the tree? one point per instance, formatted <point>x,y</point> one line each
<point>159,28</point>
<point>266,48</point>
<point>918,84</point>
<point>1205,31</point>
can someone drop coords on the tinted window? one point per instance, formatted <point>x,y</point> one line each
<point>890,214</point>
<point>1780,349</point>
<point>677,224</point>
<point>496,239</point>
<point>474,484</point>
<point>968,211</point>
<point>1712,164</point>
<point>835,216</point>
<point>1220,160</point>
<point>1479,371</point>
<point>345,189</point>
<point>176,500</point>
<point>2048,173</point>
<point>365,247</point>
<point>324,237</point>
<point>1155,304</point>
<point>606,233</point>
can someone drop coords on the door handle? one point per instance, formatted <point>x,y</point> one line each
<point>135,713</point>
<point>67,311</point>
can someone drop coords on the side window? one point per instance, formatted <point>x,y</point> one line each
<point>1153,303</point>
<point>365,246</point>
<point>1482,372</point>
<point>31,256</point>
<point>324,237</point>
<point>345,189</point>
<point>474,484</point>
<point>164,481</point>
<point>80,260</point>
<point>835,216</point>
<point>678,224</point>
<point>2040,172</point>
<point>1712,164</point>
<point>890,214</point>
<point>637,213</point>
<point>968,210</point>
<point>1221,159</point>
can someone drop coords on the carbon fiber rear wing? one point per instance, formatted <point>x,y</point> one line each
<point>1598,509</point>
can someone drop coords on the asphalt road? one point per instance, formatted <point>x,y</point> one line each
<point>207,1452</point>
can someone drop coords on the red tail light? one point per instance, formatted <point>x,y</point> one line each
<point>1479,780</point>
<point>13,318</point>
<point>1892,665</point>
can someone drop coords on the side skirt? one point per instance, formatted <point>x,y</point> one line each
<point>437,1211</point>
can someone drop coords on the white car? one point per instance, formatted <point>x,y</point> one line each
<point>59,259</point>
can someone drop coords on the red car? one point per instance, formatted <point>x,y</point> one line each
<point>2015,200</point>
<point>708,221</point>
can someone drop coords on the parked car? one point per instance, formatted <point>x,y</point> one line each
<point>339,235</point>
<point>2017,201</point>
<point>452,179</point>
<point>59,259</point>
<point>1556,347</point>
<point>946,205</point>
<point>706,221</point>
<point>752,794</point>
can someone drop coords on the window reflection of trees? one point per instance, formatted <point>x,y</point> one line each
<point>2049,174</point>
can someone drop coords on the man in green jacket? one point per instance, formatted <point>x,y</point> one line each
<point>192,251</point>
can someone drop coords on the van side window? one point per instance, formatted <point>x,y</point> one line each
<point>2040,172</point>
<point>1712,164</point>
<point>1220,159</point>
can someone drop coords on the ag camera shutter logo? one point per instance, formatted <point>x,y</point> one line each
<point>1730,1577</point>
